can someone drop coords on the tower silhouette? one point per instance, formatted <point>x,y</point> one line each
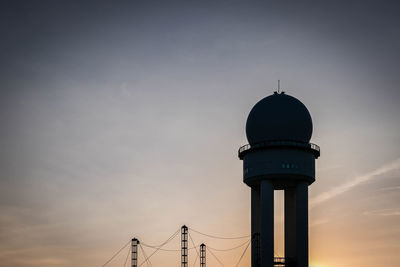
<point>279,157</point>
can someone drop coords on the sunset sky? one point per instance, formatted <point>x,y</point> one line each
<point>123,120</point>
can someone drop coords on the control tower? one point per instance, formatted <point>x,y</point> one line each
<point>279,156</point>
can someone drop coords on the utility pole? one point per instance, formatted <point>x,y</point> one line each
<point>184,246</point>
<point>135,243</point>
<point>202,255</point>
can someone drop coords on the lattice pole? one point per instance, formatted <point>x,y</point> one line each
<point>135,244</point>
<point>184,246</point>
<point>202,255</point>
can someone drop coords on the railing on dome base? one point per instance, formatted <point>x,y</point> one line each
<point>271,144</point>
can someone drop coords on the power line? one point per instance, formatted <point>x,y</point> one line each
<point>241,257</point>
<point>241,245</point>
<point>194,245</point>
<point>165,249</point>
<point>195,260</point>
<point>169,239</point>
<point>191,239</point>
<point>127,256</point>
<point>215,257</point>
<point>219,237</point>
<point>116,254</point>
<point>145,256</point>
<point>158,246</point>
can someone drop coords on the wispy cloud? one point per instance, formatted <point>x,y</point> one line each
<point>391,188</point>
<point>394,165</point>
<point>383,212</point>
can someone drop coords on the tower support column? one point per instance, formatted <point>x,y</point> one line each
<point>267,223</point>
<point>290,223</point>
<point>255,226</point>
<point>302,224</point>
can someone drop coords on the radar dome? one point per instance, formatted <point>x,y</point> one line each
<point>279,117</point>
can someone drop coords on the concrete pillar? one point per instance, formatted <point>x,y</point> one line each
<point>255,226</point>
<point>302,224</point>
<point>267,223</point>
<point>290,223</point>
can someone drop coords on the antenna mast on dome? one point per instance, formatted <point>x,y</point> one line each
<point>279,89</point>
<point>279,85</point>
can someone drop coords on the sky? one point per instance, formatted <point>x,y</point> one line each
<point>123,119</point>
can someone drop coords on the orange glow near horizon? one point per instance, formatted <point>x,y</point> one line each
<point>123,119</point>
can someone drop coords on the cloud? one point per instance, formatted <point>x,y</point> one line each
<point>391,188</point>
<point>383,212</point>
<point>394,165</point>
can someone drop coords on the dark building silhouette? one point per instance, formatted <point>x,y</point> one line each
<point>279,157</point>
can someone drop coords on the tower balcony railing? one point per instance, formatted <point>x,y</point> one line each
<point>293,144</point>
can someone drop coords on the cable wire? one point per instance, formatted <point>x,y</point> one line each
<point>145,256</point>
<point>191,239</point>
<point>194,263</point>
<point>241,257</point>
<point>165,249</point>
<point>157,246</point>
<point>198,256</point>
<point>127,256</point>
<point>228,249</point>
<point>219,237</point>
<point>215,257</point>
<point>169,239</point>
<point>107,262</point>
